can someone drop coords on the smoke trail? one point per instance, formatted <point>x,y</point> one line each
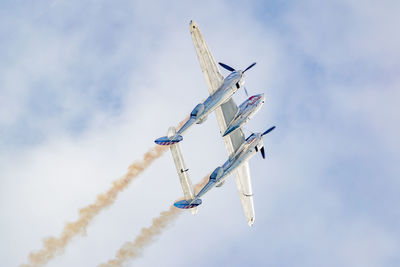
<point>56,245</point>
<point>133,250</point>
<point>197,187</point>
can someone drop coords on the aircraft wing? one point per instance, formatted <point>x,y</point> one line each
<point>243,183</point>
<point>225,113</point>
<point>210,69</point>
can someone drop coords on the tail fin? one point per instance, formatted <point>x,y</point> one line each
<point>184,204</point>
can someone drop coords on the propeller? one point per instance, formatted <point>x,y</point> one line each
<point>249,67</point>
<point>226,66</point>
<point>267,131</point>
<point>262,148</point>
<point>262,152</point>
<point>232,69</point>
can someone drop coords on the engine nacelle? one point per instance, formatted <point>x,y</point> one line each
<point>197,111</point>
<point>217,173</point>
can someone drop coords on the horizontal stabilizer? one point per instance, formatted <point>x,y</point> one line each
<point>166,141</point>
<point>184,204</point>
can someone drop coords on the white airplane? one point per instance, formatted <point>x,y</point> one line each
<point>249,148</point>
<point>228,114</point>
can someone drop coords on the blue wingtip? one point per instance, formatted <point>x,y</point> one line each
<point>184,204</point>
<point>165,141</point>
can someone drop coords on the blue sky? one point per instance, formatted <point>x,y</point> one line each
<point>86,86</point>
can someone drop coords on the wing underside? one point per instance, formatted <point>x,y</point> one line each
<point>208,66</point>
<point>225,113</point>
<point>243,183</point>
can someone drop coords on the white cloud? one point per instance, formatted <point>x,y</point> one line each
<point>312,193</point>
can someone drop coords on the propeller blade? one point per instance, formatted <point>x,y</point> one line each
<point>256,149</point>
<point>226,66</point>
<point>249,67</point>
<point>245,90</point>
<point>267,131</point>
<point>262,152</point>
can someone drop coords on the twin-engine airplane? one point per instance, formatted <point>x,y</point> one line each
<point>230,119</point>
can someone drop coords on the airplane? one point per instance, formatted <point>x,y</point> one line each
<point>221,95</point>
<point>249,148</point>
<point>227,113</point>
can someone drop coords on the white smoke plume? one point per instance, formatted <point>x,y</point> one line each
<point>133,250</point>
<point>53,246</point>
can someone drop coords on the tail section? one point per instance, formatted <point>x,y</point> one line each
<point>182,170</point>
<point>185,204</point>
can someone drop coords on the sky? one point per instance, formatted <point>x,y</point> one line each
<point>86,87</point>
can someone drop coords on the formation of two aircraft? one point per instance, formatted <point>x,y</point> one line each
<point>230,119</point>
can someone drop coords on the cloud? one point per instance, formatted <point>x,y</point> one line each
<point>88,82</point>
